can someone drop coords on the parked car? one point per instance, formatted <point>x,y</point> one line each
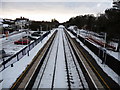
<point>23,41</point>
<point>36,34</point>
<point>29,37</point>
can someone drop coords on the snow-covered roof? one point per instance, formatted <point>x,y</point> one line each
<point>1,20</point>
<point>5,25</point>
<point>72,27</point>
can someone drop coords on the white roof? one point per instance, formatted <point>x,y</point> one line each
<point>71,27</point>
<point>1,20</point>
<point>5,25</point>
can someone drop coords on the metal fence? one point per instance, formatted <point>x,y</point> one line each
<point>107,59</point>
<point>21,53</point>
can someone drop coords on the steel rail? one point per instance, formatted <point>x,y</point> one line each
<point>28,69</point>
<point>87,65</point>
<point>74,61</point>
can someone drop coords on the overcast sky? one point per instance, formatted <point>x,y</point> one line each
<point>49,9</point>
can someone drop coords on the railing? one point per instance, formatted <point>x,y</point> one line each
<point>21,53</point>
<point>107,59</point>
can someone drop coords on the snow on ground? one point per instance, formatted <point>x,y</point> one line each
<point>112,53</point>
<point>73,66</point>
<point>60,71</point>
<point>47,78</point>
<point>84,34</point>
<point>60,74</point>
<point>105,68</point>
<point>71,35</point>
<point>56,61</point>
<point>10,74</point>
<point>8,44</point>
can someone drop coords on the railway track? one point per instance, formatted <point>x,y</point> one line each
<point>59,65</point>
<point>76,78</point>
<point>29,74</point>
<point>46,75</point>
<point>90,76</point>
<point>102,77</point>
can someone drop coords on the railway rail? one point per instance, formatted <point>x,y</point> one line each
<point>33,67</point>
<point>105,80</point>
<point>59,64</point>
<point>75,73</point>
<point>92,79</point>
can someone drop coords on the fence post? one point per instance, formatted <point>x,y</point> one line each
<point>33,44</point>
<point>28,52</point>
<point>22,52</point>
<point>105,57</point>
<point>99,53</point>
<point>41,38</point>
<point>102,57</point>
<point>11,65</point>
<point>17,58</point>
<point>3,61</point>
<point>29,47</point>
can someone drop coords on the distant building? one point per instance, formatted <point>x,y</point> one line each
<point>8,25</point>
<point>22,23</point>
<point>8,21</point>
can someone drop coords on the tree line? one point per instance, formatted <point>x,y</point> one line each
<point>43,25</point>
<point>108,22</point>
